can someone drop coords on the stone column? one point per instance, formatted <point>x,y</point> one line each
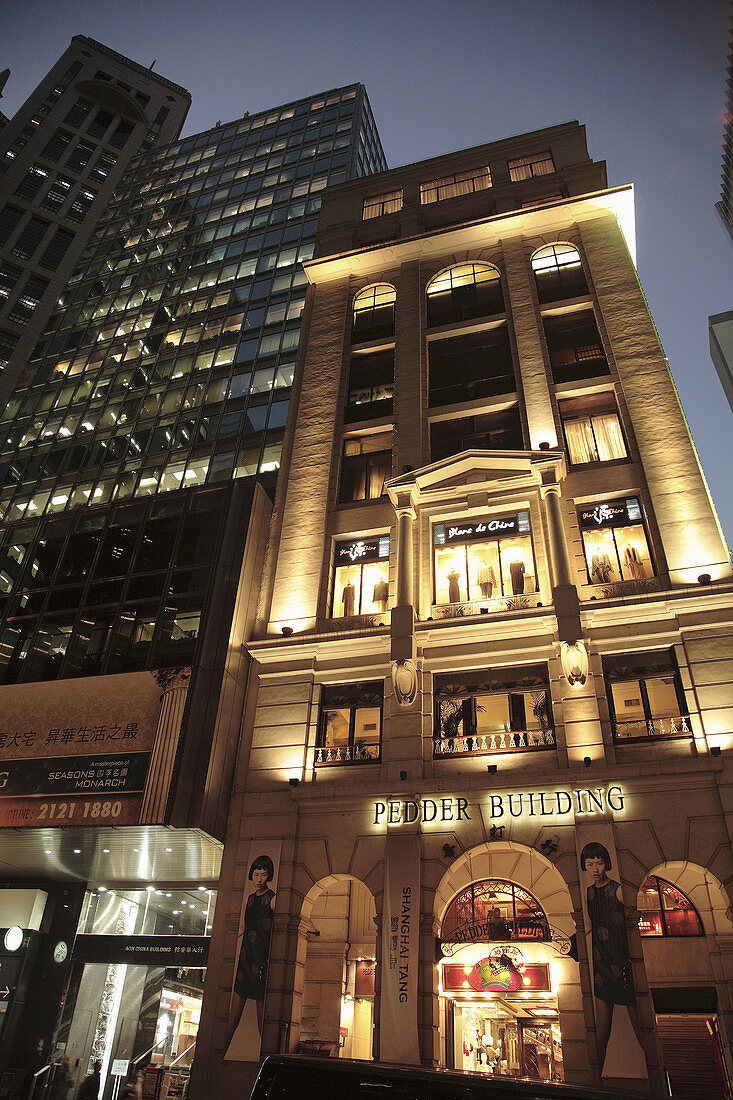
<point>162,758</point>
<point>402,630</point>
<point>405,518</point>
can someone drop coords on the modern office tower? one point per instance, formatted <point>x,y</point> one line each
<point>725,205</point>
<point>61,157</point>
<point>720,333</point>
<point>135,450</point>
<point>484,785</point>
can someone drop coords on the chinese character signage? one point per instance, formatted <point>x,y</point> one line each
<point>77,752</point>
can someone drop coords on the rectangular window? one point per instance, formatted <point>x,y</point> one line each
<point>465,368</point>
<point>8,344</point>
<point>30,238</point>
<point>56,250</point>
<point>57,194</point>
<point>57,146</point>
<point>78,113</point>
<point>460,183</point>
<point>575,348</point>
<point>361,577</point>
<point>26,302</point>
<point>371,386</point>
<point>615,542</point>
<point>81,204</point>
<point>30,185</point>
<point>350,726</point>
<point>501,710</point>
<point>388,203</point>
<point>8,278</point>
<point>645,696</point>
<point>536,164</point>
<point>99,125</point>
<point>477,560</point>
<point>592,429</point>
<point>79,158</point>
<point>495,431</point>
<point>9,218</point>
<point>121,134</point>
<point>104,165</point>
<point>366,465</point>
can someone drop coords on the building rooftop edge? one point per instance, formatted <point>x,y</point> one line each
<point>133,64</point>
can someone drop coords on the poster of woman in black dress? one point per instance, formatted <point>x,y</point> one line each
<point>250,981</point>
<point>613,983</point>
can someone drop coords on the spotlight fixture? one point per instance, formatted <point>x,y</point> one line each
<point>587,761</point>
<point>704,578</point>
<point>294,781</point>
<point>403,776</point>
<point>544,446</point>
<point>492,769</point>
<point>286,631</point>
<point>715,750</point>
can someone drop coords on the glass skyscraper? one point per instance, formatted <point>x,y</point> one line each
<point>167,366</point>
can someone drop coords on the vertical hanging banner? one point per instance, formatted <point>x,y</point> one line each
<point>398,1041</point>
<point>247,1002</point>
<point>620,1053</point>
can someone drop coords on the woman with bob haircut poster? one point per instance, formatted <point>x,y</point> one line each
<point>613,982</point>
<point>250,981</point>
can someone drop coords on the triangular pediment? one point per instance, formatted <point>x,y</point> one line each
<point>475,470</point>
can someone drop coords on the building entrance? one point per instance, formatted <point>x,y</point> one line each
<point>504,1039</point>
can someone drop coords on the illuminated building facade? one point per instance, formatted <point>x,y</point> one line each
<point>61,157</point>
<point>140,451</point>
<point>485,751</point>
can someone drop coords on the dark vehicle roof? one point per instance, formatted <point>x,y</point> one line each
<point>328,1077</point>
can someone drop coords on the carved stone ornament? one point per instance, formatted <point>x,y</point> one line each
<point>574,661</point>
<point>404,679</point>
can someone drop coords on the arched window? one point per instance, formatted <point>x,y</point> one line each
<point>665,911</point>
<point>494,911</point>
<point>464,291</point>
<point>558,272</point>
<point>374,313</point>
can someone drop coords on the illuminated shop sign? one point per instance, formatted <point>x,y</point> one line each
<point>481,529</point>
<point>493,975</point>
<point>611,513</point>
<point>504,807</point>
<point>358,551</point>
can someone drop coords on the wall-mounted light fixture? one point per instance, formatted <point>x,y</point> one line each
<point>492,769</point>
<point>704,578</point>
<point>587,761</point>
<point>294,781</point>
<point>286,631</point>
<point>715,750</point>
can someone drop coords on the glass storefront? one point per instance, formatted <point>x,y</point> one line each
<point>134,1000</point>
<point>615,542</point>
<point>477,560</point>
<point>361,577</point>
<point>503,1039</point>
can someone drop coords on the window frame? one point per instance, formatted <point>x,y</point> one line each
<point>618,507</point>
<point>368,459</point>
<point>376,298</point>
<point>505,683</point>
<point>453,180</point>
<point>579,415</point>
<point>658,883</point>
<point>521,529</point>
<point>465,304</point>
<point>355,697</point>
<point>388,202</point>
<point>557,272</point>
<point>638,673</point>
<point>530,161</point>
<point>376,549</point>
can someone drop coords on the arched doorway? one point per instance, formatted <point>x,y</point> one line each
<point>503,917</point>
<point>685,928</point>
<point>338,955</point>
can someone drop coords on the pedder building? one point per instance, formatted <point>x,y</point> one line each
<point>483,790</point>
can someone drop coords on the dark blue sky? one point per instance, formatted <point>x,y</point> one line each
<point>646,77</point>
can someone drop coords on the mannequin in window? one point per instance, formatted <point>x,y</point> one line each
<point>601,570</point>
<point>633,562</point>
<point>516,572</point>
<point>348,598</point>
<point>486,579</point>
<point>381,594</point>
<point>454,591</point>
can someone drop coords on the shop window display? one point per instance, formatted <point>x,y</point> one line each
<point>665,911</point>
<point>615,542</point>
<point>361,577</point>
<point>480,560</point>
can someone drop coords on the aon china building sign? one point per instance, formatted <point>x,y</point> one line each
<point>503,807</point>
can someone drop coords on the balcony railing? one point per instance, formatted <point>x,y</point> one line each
<point>506,741</point>
<point>643,728</point>
<point>485,607</point>
<point>347,754</point>
<point>631,587</point>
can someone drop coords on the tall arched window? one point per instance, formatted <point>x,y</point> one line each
<point>665,911</point>
<point>464,291</point>
<point>558,272</point>
<point>374,308</point>
<point>494,910</point>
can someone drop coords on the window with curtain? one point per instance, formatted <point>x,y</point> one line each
<point>388,203</point>
<point>366,466</point>
<point>592,429</point>
<point>460,183</point>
